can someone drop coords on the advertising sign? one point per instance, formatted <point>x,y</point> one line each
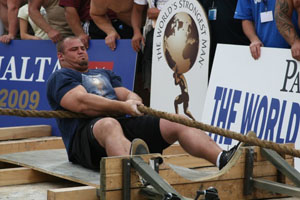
<point>25,66</point>
<point>254,95</point>
<point>180,59</point>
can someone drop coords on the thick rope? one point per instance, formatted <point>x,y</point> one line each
<point>280,148</point>
<point>40,113</point>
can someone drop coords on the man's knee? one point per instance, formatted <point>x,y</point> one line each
<point>106,127</point>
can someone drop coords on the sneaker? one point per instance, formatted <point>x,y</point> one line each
<point>227,155</point>
<point>138,147</point>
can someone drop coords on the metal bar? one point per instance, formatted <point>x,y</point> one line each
<point>276,187</point>
<point>153,177</point>
<point>282,165</point>
<point>151,193</point>
<point>248,183</point>
<point>126,179</point>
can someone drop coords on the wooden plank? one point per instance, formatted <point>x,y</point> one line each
<point>21,132</point>
<point>74,193</point>
<point>177,149</point>
<point>227,189</point>
<point>185,160</point>
<point>22,175</point>
<point>174,149</point>
<point>261,169</point>
<point>5,165</point>
<point>31,144</point>
<point>54,162</point>
<point>111,173</point>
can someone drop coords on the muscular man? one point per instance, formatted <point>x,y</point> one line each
<point>283,16</point>
<point>259,25</point>
<point>8,14</point>
<point>184,96</point>
<point>122,9</point>
<point>98,93</point>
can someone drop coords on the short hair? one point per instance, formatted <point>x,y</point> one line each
<point>60,45</point>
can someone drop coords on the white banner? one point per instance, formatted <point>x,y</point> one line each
<point>254,95</point>
<point>180,59</point>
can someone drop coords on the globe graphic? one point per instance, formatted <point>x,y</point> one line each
<point>181,42</point>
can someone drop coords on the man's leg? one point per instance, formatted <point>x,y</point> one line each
<point>194,141</point>
<point>109,134</point>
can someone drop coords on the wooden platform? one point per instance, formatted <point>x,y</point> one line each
<point>29,161</point>
<point>54,162</point>
<point>229,181</point>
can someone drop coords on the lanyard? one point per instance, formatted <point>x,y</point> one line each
<point>265,4</point>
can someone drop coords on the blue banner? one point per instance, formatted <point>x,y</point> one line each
<point>25,66</point>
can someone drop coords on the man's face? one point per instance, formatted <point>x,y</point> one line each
<point>74,55</point>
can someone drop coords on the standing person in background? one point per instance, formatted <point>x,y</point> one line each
<point>259,25</point>
<point>116,29</point>
<point>8,14</point>
<point>57,27</point>
<point>24,20</point>
<point>138,40</point>
<point>224,28</point>
<point>283,16</point>
<point>77,13</point>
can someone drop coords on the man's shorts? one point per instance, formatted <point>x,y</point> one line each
<point>86,151</point>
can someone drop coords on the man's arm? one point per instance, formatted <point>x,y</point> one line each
<point>255,43</point>
<point>23,31</point>
<point>124,94</point>
<point>98,13</point>
<point>13,25</point>
<point>283,16</point>
<point>78,100</point>
<point>136,22</point>
<point>74,22</point>
<point>34,7</point>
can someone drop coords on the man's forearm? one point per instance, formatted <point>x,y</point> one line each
<point>13,24</point>
<point>134,96</point>
<point>136,17</point>
<point>103,23</point>
<point>249,30</point>
<point>73,21</point>
<point>283,17</point>
<point>39,20</point>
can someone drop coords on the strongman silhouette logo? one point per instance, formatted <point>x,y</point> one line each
<point>181,43</point>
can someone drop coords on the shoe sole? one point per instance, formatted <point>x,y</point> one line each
<point>134,145</point>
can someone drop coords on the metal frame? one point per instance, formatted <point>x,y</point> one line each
<point>159,189</point>
<point>271,186</point>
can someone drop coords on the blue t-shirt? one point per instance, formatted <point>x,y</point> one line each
<point>97,81</point>
<point>267,31</point>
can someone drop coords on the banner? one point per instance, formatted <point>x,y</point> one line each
<point>254,95</point>
<point>180,59</point>
<point>25,66</point>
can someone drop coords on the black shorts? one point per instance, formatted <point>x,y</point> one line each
<point>86,151</point>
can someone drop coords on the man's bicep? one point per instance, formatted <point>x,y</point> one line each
<point>34,5</point>
<point>122,93</point>
<point>72,99</point>
<point>284,8</point>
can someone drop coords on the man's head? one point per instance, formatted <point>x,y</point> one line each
<point>72,54</point>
